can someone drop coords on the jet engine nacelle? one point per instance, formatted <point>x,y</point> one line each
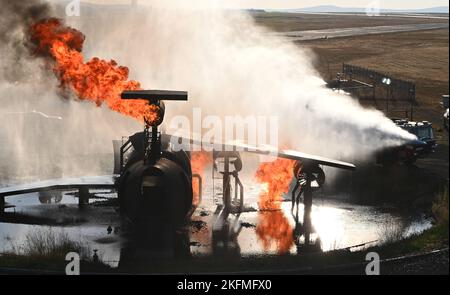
<point>152,193</point>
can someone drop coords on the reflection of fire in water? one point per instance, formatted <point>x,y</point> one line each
<point>273,226</point>
<point>274,229</point>
<point>97,80</point>
<point>199,161</point>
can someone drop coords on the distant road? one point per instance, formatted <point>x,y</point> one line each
<point>408,15</point>
<point>348,32</point>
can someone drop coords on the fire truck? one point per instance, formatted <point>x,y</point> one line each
<point>446,114</point>
<point>413,150</point>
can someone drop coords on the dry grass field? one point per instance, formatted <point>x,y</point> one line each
<point>420,56</point>
<point>286,22</point>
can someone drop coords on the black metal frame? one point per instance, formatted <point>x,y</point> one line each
<point>367,78</point>
<point>231,205</point>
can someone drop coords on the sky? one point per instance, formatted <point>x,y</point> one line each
<point>271,4</point>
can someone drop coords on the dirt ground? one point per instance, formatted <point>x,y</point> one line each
<point>421,56</point>
<point>286,22</point>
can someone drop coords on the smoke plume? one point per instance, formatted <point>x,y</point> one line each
<point>44,134</point>
<point>16,17</point>
<point>229,65</point>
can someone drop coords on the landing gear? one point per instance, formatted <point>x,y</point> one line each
<point>225,232</point>
<point>47,197</point>
<point>309,177</point>
<point>83,197</point>
<point>2,205</point>
<point>228,165</point>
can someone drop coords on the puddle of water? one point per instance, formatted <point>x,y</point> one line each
<point>338,224</point>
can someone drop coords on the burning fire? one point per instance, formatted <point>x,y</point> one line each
<point>273,226</point>
<point>277,175</point>
<point>274,229</point>
<point>97,80</point>
<point>199,161</point>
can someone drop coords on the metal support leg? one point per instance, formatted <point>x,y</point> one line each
<point>83,197</point>
<point>308,207</point>
<point>238,195</point>
<point>226,184</point>
<point>241,197</point>
<point>294,197</point>
<point>2,205</point>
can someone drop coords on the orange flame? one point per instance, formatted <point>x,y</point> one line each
<point>274,229</point>
<point>277,175</point>
<point>199,161</point>
<point>97,80</point>
<point>273,226</point>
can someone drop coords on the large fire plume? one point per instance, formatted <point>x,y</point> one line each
<point>277,176</point>
<point>273,226</point>
<point>199,161</point>
<point>97,80</point>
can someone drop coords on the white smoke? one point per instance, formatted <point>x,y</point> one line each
<point>43,135</point>
<point>229,65</point>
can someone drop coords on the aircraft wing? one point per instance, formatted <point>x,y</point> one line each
<point>296,155</point>
<point>94,182</point>
<point>266,150</point>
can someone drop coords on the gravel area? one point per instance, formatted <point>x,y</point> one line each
<point>433,264</point>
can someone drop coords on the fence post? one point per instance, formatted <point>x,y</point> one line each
<point>2,204</point>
